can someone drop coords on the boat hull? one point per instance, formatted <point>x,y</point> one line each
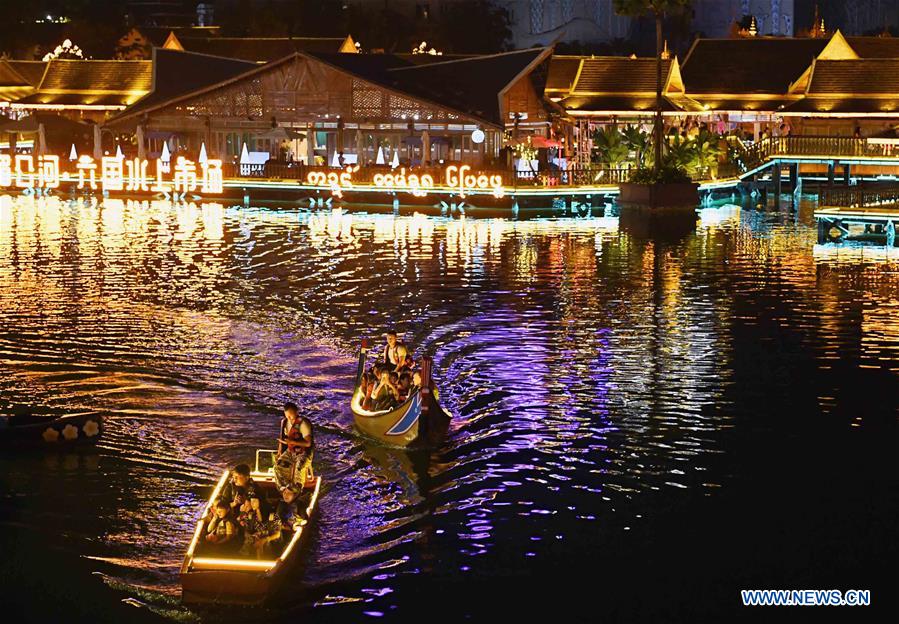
<point>420,422</point>
<point>63,432</point>
<point>235,580</point>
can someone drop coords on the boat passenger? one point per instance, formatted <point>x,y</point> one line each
<point>405,385</point>
<point>221,529</point>
<point>296,446</point>
<point>258,529</point>
<point>389,356</point>
<point>385,396</point>
<point>404,359</point>
<point>416,381</point>
<point>291,512</point>
<point>239,487</point>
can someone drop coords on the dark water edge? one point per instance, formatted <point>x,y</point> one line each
<point>643,427</point>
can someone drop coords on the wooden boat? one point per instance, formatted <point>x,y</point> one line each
<point>50,431</point>
<point>420,422</point>
<point>212,577</point>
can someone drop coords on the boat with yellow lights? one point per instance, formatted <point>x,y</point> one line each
<point>419,422</point>
<point>210,577</point>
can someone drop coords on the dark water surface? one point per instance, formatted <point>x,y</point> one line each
<point>643,424</point>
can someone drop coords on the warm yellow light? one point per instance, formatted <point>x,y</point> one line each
<point>212,563</point>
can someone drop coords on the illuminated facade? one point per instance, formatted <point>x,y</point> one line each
<point>318,108</point>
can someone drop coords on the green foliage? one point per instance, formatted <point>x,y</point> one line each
<point>610,146</point>
<point>706,150</point>
<point>640,143</point>
<point>666,174</point>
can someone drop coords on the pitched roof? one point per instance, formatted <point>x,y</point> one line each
<point>260,49</point>
<point>31,71</point>
<point>875,47</point>
<point>9,77</point>
<point>619,74</point>
<point>855,78</point>
<point>90,83</point>
<point>619,104</point>
<point>177,73</point>
<point>825,105</point>
<point>748,65</point>
<point>562,72</point>
<point>469,85</point>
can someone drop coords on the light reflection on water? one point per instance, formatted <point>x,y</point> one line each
<point>593,373</point>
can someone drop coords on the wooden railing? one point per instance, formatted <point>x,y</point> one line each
<point>754,154</point>
<point>860,196</point>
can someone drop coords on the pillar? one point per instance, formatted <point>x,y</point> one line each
<point>846,174</point>
<point>310,144</point>
<point>98,143</point>
<point>360,147</point>
<point>830,173</point>
<point>776,175</point>
<point>794,176</point>
<point>141,144</point>
<point>425,148</point>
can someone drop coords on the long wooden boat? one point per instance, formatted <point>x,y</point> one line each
<point>32,430</point>
<point>419,422</point>
<point>210,577</point>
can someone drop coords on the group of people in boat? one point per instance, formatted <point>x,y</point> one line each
<point>392,378</point>
<point>246,518</point>
<point>254,521</point>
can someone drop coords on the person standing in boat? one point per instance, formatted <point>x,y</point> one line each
<point>296,445</point>
<point>390,355</point>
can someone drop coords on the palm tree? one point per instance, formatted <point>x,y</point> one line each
<point>658,9</point>
<point>638,142</point>
<point>609,143</point>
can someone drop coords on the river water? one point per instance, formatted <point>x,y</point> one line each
<point>644,423</point>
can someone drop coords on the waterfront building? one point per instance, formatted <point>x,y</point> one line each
<point>310,107</point>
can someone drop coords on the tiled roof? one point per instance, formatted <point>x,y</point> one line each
<point>260,49</point>
<point>614,103</point>
<point>9,77</point>
<point>844,105</point>
<point>619,74</point>
<point>562,71</point>
<point>875,47</point>
<point>31,71</point>
<point>468,85</point>
<point>92,83</point>
<point>178,73</point>
<point>748,65</point>
<point>856,77</point>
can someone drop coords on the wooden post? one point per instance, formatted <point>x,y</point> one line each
<point>98,143</point>
<point>310,144</point>
<point>776,174</point>
<point>360,146</point>
<point>830,173</point>
<point>141,144</point>
<point>425,392</point>
<point>846,173</point>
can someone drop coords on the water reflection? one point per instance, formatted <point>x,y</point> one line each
<point>595,372</point>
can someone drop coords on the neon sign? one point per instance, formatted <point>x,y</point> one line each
<point>113,174</point>
<point>456,179</point>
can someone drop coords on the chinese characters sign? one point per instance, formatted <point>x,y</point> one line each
<point>112,174</point>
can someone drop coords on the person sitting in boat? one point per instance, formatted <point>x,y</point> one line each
<point>416,382</point>
<point>404,359</point>
<point>369,383</point>
<point>296,446</point>
<point>291,512</point>
<point>385,395</point>
<point>221,530</point>
<point>239,487</point>
<point>389,355</point>
<point>405,385</point>
<point>256,525</point>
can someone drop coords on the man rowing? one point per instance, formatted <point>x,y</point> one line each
<point>296,445</point>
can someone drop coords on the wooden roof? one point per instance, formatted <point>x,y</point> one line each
<point>855,78</point>
<point>261,49</point>
<point>89,83</point>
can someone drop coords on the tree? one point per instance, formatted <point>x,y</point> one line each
<point>638,142</point>
<point>609,143</point>
<point>658,9</point>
